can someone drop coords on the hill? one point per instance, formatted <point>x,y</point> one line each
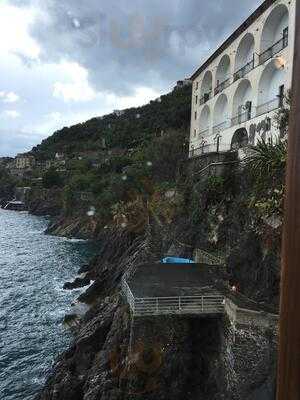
<point>133,126</point>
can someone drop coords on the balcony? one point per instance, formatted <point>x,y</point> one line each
<point>273,50</point>
<point>240,118</point>
<point>222,86</point>
<point>267,107</point>
<point>243,71</point>
<point>210,148</point>
<point>204,99</point>
<point>221,127</point>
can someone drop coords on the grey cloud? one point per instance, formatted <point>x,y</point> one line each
<point>125,44</point>
<point>13,142</point>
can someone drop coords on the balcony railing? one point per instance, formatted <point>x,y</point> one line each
<point>244,70</point>
<point>210,148</point>
<point>221,127</point>
<point>239,119</point>
<point>204,132</point>
<point>222,86</point>
<point>267,107</point>
<point>205,98</point>
<point>274,49</point>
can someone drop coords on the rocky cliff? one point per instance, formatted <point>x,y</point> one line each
<point>115,357</point>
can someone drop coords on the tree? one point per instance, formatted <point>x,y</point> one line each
<point>52,178</point>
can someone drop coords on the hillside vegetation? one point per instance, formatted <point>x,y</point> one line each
<point>136,126</point>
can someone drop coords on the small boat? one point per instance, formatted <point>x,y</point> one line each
<point>15,206</point>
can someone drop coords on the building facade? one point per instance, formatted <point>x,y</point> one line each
<point>24,161</point>
<point>238,90</point>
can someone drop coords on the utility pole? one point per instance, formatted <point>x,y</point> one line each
<point>288,380</point>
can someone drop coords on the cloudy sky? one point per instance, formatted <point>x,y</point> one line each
<point>65,61</point>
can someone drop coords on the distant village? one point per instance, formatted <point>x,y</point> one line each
<point>27,166</point>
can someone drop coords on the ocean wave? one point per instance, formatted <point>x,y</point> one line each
<point>73,240</point>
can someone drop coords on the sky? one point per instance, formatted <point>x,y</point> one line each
<point>66,61</point>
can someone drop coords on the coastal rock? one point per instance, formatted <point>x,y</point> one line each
<point>77,283</point>
<point>84,268</point>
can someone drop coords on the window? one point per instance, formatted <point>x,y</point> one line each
<point>285,34</point>
<point>249,109</point>
<point>281,95</point>
<point>196,99</point>
<point>195,133</point>
<point>195,115</point>
<point>197,85</point>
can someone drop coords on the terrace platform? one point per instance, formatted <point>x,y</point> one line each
<point>190,289</point>
<point>166,289</point>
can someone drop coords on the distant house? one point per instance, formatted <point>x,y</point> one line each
<point>24,161</point>
<point>118,113</point>
<point>60,156</point>
<point>182,83</point>
<point>49,164</point>
<point>103,143</point>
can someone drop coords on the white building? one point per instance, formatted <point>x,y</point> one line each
<point>24,161</point>
<point>237,91</point>
<point>119,113</point>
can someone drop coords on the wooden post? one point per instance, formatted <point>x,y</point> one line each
<point>288,381</point>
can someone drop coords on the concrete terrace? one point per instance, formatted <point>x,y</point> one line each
<point>190,289</point>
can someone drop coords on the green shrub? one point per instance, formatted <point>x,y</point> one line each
<point>52,178</point>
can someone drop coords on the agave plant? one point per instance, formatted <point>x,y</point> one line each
<point>268,159</point>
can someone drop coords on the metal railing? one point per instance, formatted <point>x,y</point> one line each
<point>128,294</point>
<point>206,304</point>
<point>274,49</point>
<point>244,70</point>
<point>204,132</point>
<point>240,118</point>
<point>267,107</point>
<point>221,127</point>
<point>209,148</point>
<point>222,86</point>
<point>205,98</point>
<point>203,257</point>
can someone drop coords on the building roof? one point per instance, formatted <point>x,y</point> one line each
<point>245,25</point>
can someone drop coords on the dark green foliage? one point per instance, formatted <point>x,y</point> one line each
<point>68,199</point>
<point>52,178</point>
<point>135,127</point>
<point>7,185</point>
<point>267,163</point>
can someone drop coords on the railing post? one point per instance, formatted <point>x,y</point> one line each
<point>157,305</point>
<point>202,305</point>
<point>179,304</point>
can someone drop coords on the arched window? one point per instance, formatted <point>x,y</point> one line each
<point>271,88</point>
<point>223,74</point>
<point>221,114</point>
<point>242,103</point>
<point>244,59</point>
<point>274,36</point>
<point>204,121</point>
<point>206,87</point>
<point>239,139</point>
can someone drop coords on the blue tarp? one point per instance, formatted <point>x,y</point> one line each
<point>177,260</point>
